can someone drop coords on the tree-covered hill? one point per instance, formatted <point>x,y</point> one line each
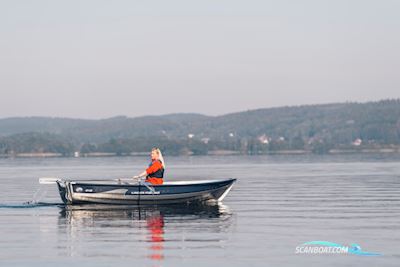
<point>317,128</point>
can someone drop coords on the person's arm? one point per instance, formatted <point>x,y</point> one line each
<point>142,174</point>
<point>152,169</point>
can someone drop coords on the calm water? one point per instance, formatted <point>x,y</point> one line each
<point>277,204</point>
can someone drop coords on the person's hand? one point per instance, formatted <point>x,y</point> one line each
<point>136,177</point>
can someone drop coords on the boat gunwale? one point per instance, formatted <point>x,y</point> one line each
<point>155,195</point>
<point>170,183</point>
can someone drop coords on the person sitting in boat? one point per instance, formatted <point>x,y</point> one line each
<point>155,172</point>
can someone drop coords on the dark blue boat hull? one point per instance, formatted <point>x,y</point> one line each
<point>112,192</point>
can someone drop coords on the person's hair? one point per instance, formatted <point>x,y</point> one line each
<point>160,156</point>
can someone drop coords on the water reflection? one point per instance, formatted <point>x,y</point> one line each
<point>155,224</point>
<point>141,231</point>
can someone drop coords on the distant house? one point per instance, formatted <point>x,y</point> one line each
<point>205,140</point>
<point>264,139</point>
<point>357,142</point>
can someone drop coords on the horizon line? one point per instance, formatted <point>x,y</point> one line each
<point>200,114</point>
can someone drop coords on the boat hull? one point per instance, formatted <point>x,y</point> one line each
<point>114,192</point>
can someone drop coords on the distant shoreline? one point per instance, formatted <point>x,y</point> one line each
<point>343,128</point>
<point>395,150</point>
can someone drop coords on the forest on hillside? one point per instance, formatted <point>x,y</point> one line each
<point>310,128</point>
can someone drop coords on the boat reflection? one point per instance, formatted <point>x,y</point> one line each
<point>138,213</point>
<point>138,225</point>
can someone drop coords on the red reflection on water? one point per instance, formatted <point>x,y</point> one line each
<point>155,224</point>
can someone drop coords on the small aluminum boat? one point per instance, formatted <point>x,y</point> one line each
<point>129,192</point>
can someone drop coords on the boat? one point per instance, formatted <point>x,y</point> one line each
<point>130,192</point>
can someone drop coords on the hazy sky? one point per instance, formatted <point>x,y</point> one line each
<point>96,59</point>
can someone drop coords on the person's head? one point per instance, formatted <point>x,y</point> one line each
<point>157,155</point>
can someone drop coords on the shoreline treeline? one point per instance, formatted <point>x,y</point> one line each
<point>301,129</point>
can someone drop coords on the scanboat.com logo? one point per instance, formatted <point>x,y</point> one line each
<point>326,247</point>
